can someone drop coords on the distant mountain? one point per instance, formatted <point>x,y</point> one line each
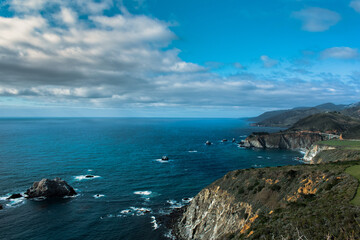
<point>326,122</point>
<point>286,118</point>
<point>331,107</point>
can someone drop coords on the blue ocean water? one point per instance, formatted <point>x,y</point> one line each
<point>130,180</point>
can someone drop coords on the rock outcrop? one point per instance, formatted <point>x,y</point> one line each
<point>15,196</point>
<point>213,214</point>
<point>299,140</point>
<point>274,203</point>
<point>314,151</point>
<point>50,189</point>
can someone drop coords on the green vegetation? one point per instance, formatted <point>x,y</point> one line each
<point>355,172</point>
<point>313,201</point>
<point>347,144</point>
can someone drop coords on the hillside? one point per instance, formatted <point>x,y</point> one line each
<point>286,118</point>
<point>309,201</point>
<point>326,122</point>
<point>352,111</point>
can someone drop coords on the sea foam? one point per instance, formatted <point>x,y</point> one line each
<point>144,193</point>
<point>155,224</point>
<point>83,177</point>
<point>162,161</point>
<point>98,195</point>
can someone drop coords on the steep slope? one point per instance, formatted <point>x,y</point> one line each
<point>275,203</point>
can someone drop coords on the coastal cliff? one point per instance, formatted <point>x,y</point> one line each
<point>297,140</point>
<point>281,202</point>
<point>314,151</point>
<point>333,150</point>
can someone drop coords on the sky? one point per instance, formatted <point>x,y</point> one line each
<point>178,58</point>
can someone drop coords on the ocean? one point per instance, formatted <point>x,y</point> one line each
<point>132,187</point>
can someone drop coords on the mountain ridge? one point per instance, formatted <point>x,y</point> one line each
<point>286,118</point>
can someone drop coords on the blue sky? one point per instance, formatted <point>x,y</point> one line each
<point>160,58</point>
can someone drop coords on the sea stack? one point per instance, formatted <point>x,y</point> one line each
<point>50,189</point>
<point>14,196</point>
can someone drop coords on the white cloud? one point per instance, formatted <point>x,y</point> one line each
<point>68,16</point>
<point>316,19</point>
<point>340,53</point>
<point>355,5</point>
<point>268,62</point>
<point>27,5</point>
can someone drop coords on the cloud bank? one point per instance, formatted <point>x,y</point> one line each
<point>77,56</point>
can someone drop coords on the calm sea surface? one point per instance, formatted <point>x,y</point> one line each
<point>130,180</point>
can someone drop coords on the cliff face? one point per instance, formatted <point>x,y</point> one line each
<point>213,214</point>
<point>314,151</point>
<point>285,140</point>
<point>268,203</point>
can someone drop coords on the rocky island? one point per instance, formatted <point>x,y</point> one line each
<point>50,189</point>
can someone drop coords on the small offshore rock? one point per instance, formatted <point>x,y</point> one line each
<point>224,140</point>
<point>164,158</point>
<point>15,195</point>
<point>1,207</point>
<point>89,176</point>
<point>233,140</point>
<point>50,189</point>
<point>208,143</point>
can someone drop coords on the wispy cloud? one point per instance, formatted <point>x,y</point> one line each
<point>268,62</point>
<point>355,4</point>
<point>340,53</point>
<point>316,19</point>
<point>238,65</point>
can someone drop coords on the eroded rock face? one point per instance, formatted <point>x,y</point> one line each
<point>286,140</point>
<point>213,214</point>
<point>314,151</point>
<point>50,189</point>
